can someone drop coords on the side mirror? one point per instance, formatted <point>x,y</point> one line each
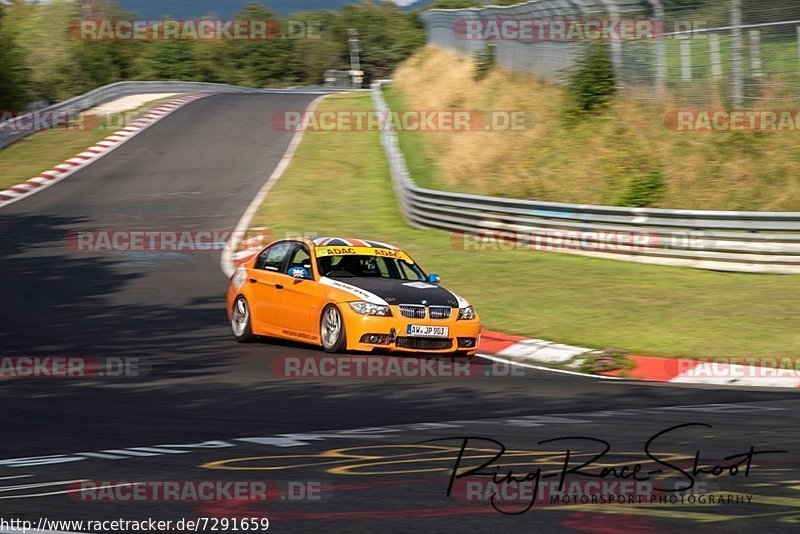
<point>434,278</point>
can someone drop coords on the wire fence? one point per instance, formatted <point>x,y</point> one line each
<point>731,52</point>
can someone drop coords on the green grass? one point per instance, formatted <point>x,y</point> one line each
<point>339,184</point>
<point>41,151</point>
<point>421,165</point>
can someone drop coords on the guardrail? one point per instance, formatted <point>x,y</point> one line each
<point>739,241</point>
<point>10,134</point>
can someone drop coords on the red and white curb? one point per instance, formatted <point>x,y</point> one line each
<point>100,149</point>
<point>717,371</point>
<point>528,352</point>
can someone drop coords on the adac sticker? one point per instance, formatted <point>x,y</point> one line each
<point>364,251</point>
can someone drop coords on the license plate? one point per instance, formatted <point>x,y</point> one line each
<point>415,330</point>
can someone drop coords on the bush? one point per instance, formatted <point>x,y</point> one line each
<point>644,190</point>
<point>591,80</point>
<point>484,61</point>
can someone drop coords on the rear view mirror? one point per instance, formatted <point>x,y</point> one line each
<point>434,278</point>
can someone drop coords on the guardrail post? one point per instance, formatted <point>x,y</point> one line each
<point>661,48</point>
<point>755,52</point>
<point>616,45</point>
<point>686,58</point>
<point>716,56</point>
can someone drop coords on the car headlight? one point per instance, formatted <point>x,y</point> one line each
<point>368,308</point>
<point>466,313</point>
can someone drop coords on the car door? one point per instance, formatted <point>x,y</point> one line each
<point>266,274</point>
<point>295,298</point>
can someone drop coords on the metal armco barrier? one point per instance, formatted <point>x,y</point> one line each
<point>739,241</point>
<point>10,134</point>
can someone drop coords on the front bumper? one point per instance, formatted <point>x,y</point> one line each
<point>391,332</point>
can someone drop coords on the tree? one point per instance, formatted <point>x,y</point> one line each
<point>455,4</point>
<point>320,50</point>
<point>169,60</point>
<point>388,35</point>
<point>260,63</point>
<point>14,73</point>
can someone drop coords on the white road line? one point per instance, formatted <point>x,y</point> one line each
<point>15,476</point>
<point>541,368</point>
<point>226,260</point>
<point>40,485</point>
<point>64,492</point>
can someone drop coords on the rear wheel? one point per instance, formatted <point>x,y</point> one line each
<point>241,326</point>
<point>331,330</point>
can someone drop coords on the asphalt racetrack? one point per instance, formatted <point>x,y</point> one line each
<point>337,454</point>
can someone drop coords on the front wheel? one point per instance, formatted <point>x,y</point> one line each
<point>331,330</point>
<point>241,326</point>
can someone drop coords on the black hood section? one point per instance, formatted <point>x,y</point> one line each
<point>403,291</point>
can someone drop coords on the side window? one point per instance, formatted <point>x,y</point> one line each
<point>328,264</point>
<point>407,272</point>
<point>384,269</point>
<point>300,263</point>
<point>272,258</point>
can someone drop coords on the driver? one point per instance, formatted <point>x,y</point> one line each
<point>325,265</point>
<point>369,266</point>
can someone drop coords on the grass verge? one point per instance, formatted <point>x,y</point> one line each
<point>41,151</point>
<point>339,184</point>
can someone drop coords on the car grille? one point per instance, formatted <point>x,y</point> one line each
<point>414,343</point>
<point>440,312</point>
<point>412,312</point>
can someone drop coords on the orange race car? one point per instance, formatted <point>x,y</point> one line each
<point>348,294</point>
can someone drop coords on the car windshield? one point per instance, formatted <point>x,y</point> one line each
<point>351,266</point>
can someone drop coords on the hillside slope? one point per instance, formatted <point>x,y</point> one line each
<point>187,9</point>
<point>626,155</point>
